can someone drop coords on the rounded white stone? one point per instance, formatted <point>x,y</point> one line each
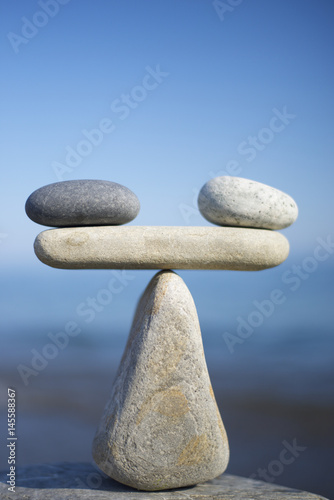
<point>234,201</point>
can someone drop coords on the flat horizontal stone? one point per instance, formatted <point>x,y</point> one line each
<point>82,481</point>
<point>234,201</point>
<point>82,203</point>
<point>157,247</point>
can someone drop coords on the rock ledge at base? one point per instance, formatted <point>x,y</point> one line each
<point>81,481</point>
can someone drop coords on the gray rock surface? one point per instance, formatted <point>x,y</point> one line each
<point>234,201</point>
<point>82,203</point>
<point>81,481</point>
<point>162,428</point>
<point>149,247</point>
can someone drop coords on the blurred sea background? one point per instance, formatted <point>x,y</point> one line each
<point>228,71</point>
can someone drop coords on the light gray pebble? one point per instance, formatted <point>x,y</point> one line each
<point>234,201</point>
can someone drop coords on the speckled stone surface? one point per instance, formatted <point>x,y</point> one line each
<point>234,201</point>
<point>161,428</point>
<point>81,481</point>
<point>82,203</point>
<point>149,247</point>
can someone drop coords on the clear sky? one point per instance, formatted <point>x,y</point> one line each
<point>161,96</point>
<point>182,91</point>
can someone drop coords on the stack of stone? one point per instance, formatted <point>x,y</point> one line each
<point>162,428</point>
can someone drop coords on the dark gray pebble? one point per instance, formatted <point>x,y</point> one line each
<point>82,203</point>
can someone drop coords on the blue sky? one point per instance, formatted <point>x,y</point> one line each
<point>224,77</point>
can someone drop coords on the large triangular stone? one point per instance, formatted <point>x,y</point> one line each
<point>161,428</point>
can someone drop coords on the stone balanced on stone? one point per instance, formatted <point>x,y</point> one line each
<point>162,428</point>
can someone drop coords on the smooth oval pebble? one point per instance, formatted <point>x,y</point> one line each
<point>234,201</point>
<point>82,203</point>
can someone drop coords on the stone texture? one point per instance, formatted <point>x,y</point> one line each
<point>233,201</point>
<point>161,428</point>
<point>149,247</point>
<point>82,203</point>
<point>81,481</point>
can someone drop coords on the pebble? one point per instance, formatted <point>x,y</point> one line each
<point>82,203</point>
<point>159,247</point>
<point>234,201</point>
<point>162,428</point>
